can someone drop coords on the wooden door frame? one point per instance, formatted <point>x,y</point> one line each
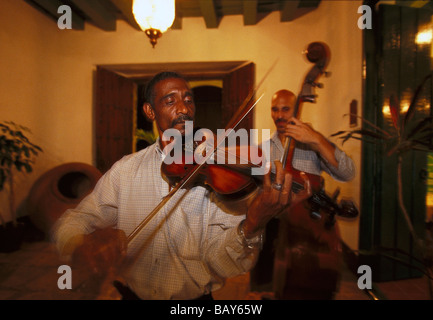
<point>220,70</point>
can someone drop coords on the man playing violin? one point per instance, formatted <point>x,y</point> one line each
<point>313,154</point>
<point>194,242</point>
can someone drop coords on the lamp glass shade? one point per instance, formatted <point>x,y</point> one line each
<point>154,14</point>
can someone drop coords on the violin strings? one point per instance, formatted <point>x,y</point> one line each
<point>224,153</point>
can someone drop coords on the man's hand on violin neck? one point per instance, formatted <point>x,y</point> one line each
<point>101,250</point>
<point>270,202</point>
<point>302,132</point>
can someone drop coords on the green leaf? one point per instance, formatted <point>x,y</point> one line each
<point>147,136</point>
<point>423,124</point>
<point>338,133</point>
<point>364,132</point>
<point>412,107</point>
<point>26,151</point>
<point>28,167</point>
<point>394,107</point>
<point>18,165</point>
<point>16,150</point>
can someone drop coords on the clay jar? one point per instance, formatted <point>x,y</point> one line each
<point>59,189</point>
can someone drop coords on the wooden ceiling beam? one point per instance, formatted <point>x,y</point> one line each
<point>104,13</point>
<point>209,13</point>
<point>50,8</point>
<point>288,10</point>
<point>292,10</point>
<point>413,3</point>
<point>97,13</point>
<point>125,7</point>
<point>177,23</point>
<point>250,12</point>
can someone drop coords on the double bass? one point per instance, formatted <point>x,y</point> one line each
<point>308,250</point>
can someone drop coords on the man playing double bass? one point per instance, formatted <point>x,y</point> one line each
<point>193,243</point>
<point>313,154</point>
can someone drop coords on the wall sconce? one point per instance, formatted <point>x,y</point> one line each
<point>154,17</point>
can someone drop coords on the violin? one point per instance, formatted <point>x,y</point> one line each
<point>228,173</point>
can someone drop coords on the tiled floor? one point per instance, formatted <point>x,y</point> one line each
<point>32,274</point>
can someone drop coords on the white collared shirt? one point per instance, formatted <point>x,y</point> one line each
<point>183,252</point>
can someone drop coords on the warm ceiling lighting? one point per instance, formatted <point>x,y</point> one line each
<point>424,37</point>
<point>154,17</point>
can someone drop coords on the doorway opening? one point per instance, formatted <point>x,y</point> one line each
<point>208,114</point>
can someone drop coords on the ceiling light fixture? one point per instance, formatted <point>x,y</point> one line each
<point>154,17</point>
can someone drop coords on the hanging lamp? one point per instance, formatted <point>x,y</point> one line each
<point>154,17</point>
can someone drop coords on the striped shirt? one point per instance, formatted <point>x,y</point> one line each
<point>185,251</point>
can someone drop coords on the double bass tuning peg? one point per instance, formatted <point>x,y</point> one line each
<point>327,74</point>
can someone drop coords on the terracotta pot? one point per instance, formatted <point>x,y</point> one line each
<point>59,189</point>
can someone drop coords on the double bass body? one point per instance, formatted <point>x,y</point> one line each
<point>308,257</point>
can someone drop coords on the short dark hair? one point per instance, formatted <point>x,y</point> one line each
<point>149,93</point>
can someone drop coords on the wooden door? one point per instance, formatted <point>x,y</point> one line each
<point>114,112</point>
<point>395,67</point>
<point>237,85</point>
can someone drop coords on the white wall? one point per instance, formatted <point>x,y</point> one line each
<point>47,74</point>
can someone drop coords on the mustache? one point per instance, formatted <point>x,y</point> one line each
<point>280,121</point>
<point>181,119</point>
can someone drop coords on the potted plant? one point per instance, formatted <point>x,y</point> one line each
<point>17,154</point>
